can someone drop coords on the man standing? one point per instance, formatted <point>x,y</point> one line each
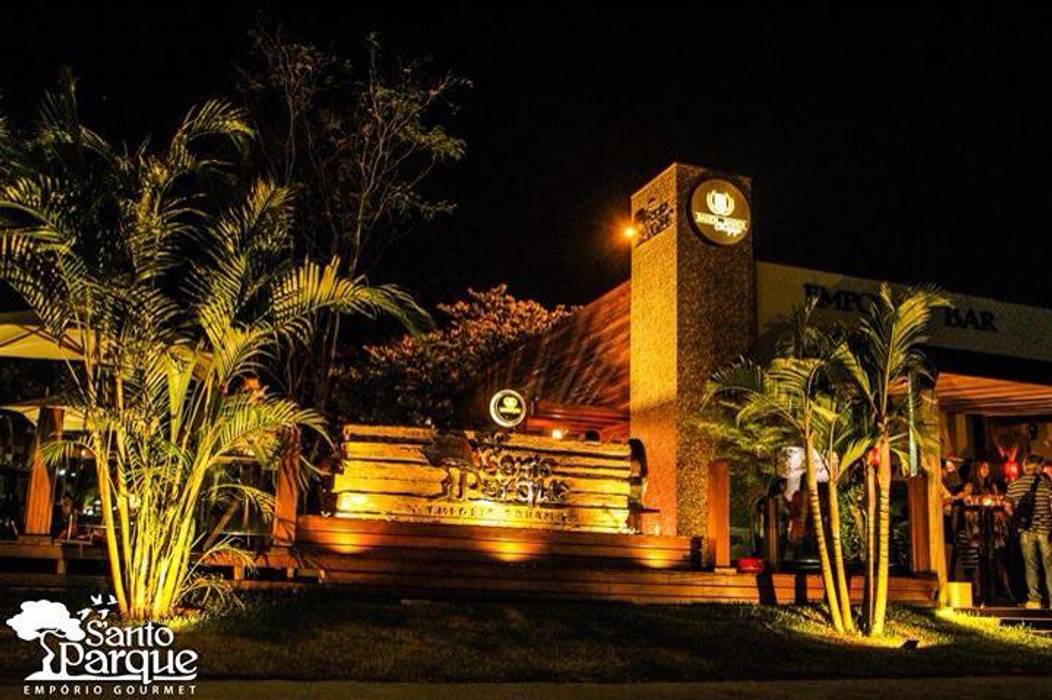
<point>1030,498</point>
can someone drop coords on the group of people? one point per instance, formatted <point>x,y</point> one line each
<point>993,523</point>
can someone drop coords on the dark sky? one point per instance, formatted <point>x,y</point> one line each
<point>906,147</point>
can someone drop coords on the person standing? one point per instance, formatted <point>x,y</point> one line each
<point>994,533</point>
<point>1030,499</point>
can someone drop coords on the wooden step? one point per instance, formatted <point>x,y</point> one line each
<point>444,560</point>
<point>529,580</point>
<point>353,536</point>
<point>1011,611</point>
<point>1038,620</point>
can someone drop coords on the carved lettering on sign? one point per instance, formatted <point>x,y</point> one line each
<point>654,218</point>
<point>504,477</point>
<point>482,478</point>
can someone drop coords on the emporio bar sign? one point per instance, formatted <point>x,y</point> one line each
<point>974,324</point>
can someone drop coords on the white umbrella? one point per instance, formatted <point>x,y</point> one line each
<point>23,336</point>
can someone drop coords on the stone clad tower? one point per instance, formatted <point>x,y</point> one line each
<point>693,310</point>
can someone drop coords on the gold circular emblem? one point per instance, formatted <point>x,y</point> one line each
<point>719,211</point>
<point>507,408</point>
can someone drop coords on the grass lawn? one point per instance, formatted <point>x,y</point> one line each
<point>329,634</point>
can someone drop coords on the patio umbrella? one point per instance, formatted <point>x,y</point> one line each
<point>23,336</point>
<point>72,421</point>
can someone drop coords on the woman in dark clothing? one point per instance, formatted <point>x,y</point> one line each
<point>983,483</point>
<point>992,535</point>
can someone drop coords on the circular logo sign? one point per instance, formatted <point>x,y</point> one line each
<point>507,408</point>
<point>719,211</point>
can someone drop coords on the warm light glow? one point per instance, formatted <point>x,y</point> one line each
<point>558,433</point>
<point>347,501</point>
<point>630,231</point>
<point>512,551</point>
<point>651,559</point>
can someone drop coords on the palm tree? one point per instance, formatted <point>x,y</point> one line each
<point>179,300</point>
<point>785,397</point>
<point>880,369</point>
<point>839,438</point>
<point>842,446</point>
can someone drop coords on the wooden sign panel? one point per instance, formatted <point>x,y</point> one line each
<point>525,481</point>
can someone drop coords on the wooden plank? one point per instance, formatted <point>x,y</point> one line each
<point>317,523</point>
<point>917,511</point>
<point>613,450</point>
<point>379,433</point>
<point>653,578</point>
<point>416,509</point>
<point>490,551</point>
<point>719,514</point>
<point>53,581</point>
<point>389,589</point>
<point>22,550</point>
<point>413,491</point>
<point>384,453</point>
<point>531,588</point>
<point>497,511</point>
<point>432,490</point>
<point>355,431</point>
<point>359,469</point>
<point>555,554</point>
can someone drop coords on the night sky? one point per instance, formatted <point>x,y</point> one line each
<point>914,148</point>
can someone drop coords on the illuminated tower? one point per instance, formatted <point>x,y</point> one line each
<point>693,310</point>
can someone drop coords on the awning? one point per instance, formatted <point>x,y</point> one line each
<point>73,421</point>
<point>992,397</point>
<point>23,336</point>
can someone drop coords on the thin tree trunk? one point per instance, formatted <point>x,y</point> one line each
<point>843,590</point>
<point>870,593</point>
<point>820,536</point>
<point>112,550</point>
<point>884,538</point>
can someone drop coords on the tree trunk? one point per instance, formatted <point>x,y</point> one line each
<point>820,537</point>
<point>869,594</point>
<point>843,590</point>
<point>880,605</point>
<point>110,530</point>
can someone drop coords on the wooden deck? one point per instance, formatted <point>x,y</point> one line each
<point>432,561</point>
<point>429,561</point>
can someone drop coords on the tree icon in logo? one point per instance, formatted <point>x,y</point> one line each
<point>38,619</point>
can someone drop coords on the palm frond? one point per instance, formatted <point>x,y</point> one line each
<point>310,288</point>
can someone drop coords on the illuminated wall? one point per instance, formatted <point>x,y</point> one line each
<point>692,311</point>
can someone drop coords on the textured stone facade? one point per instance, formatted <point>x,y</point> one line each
<point>692,310</point>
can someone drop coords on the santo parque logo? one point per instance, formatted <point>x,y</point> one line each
<point>89,646</point>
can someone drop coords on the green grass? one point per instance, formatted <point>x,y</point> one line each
<point>333,634</point>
